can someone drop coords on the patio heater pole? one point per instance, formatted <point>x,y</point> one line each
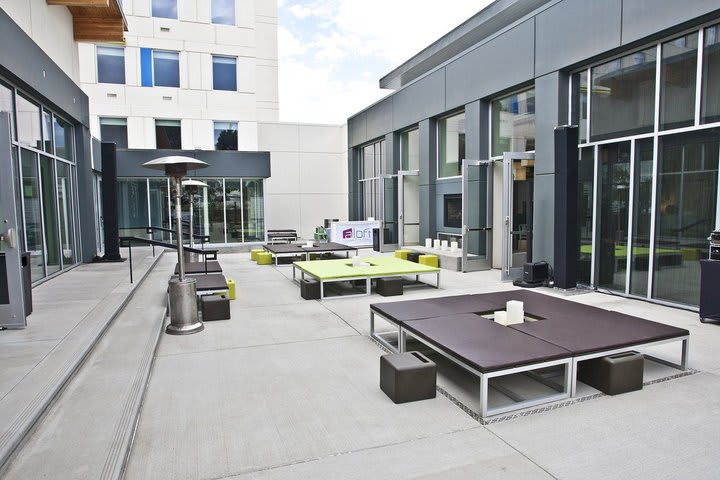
<point>191,187</point>
<point>182,290</point>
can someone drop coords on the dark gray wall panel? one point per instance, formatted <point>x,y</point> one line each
<point>427,211</point>
<point>379,119</point>
<point>445,187</point>
<point>473,132</point>
<point>422,99</point>
<point>24,63</point>
<point>544,218</point>
<point>86,178</point>
<point>357,129</point>
<point>501,63</point>
<point>642,18</point>
<point>222,163</point>
<point>428,151</point>
<point>550,111</point>
<point>574,30</point>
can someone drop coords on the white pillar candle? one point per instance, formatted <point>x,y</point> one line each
<point>444,245</point>
<point>428,243</point>
<point>453,247</point>
<point>436,244</point>
<point>500,317</point>
<point>309,243</point>
<point>515,312</point>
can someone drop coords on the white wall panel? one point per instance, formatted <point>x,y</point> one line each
<point>203,11</point>
<point>314,209</point>
<point>247,136</point>
<point>267,84</point>
<point>278,137</point>
<point>322,173</point>
<point>246,75</point>
<point>192,100</point>
<point>266,40</point>
<point>282,211</point>
<point>88,68</point>
<point>142,8</point>
<point>239,36</point>
<point>246,10</point>
<point>206,76</point>
<point>321,138</point>
<point>187,10</point>
<point>132,66</point>
<point>203,135</point>
<point>285,168</point>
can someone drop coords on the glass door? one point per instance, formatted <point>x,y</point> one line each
<point>408,207</point>
<point>518,190</point>
<point>389,220</point>
<point>476,215</point>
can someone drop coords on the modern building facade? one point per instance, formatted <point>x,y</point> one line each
<point>464,147</point>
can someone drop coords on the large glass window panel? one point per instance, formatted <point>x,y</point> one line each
<point>224,73</point>
<point>132,206</point>
<point>167,134</point>
<point>580,103</point>
<point>679,74</point>
<point>586,198</point>
<point>159,213</point>
<point>368,162</point>
<point>209,207</point>
<point>63,138</point>
<point>253,211</point>
<point>226,135</point>
<point>114,130</point>
<point>234,210</point>
<point>623,96</point>
<point>513,123</point>
<point>28,122</point>
<point>166,69</point>
<point>18,197</point>
<point>642,212</point>
<point>710,109</point>
<point>7,105</point>
<point>65,210</point>
<point>223,12</point>
<point>111,65</point>
<point>50,215</point>
<point>614,164</point>
<point>686,212</point>
<point>410,150</point>
<point>451,145</point>
<point>164,8</point>
<point>33,215</point>
<point>47,131</point>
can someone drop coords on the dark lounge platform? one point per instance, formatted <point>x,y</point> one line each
<point>212,282</point>
<point>295,249</point>
<point>199,268</point>
<point>562,333</point>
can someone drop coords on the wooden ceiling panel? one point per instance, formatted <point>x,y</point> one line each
<point>96,20</point>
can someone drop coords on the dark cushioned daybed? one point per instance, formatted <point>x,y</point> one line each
<point>564,333</point>
<point>294,249</point>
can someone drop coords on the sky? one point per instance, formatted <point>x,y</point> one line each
<point>332,53</point>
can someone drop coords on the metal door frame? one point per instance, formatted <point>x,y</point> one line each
<point>485,264</point>
<point>401,203</point>
<point>509,273</point>
<point>381,185</point>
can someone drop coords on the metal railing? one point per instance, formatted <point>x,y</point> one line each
<point>127,241</point>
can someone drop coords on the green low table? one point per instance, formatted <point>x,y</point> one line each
<point>326,271</point>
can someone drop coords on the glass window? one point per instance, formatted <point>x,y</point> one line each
<point>50,217</point>
<point>28,122</point>
<point>132,205</point>
<point>65,218</point>
<point>677,91</point>
<point>410,150</point>
<point>63,138</point>
<point>586,198</point>
<point>580,106</point>
<point>226,135</point>
<point>159,208</point>
<point>6,105</point>
<point>687,193</point>
<point>613,211</point>
<point>710,109</point>
<point>111,64</point>
<point>209,206</point>
<point>166,69</point>
<point>224,73</point>
<point>164,8</point>
<point>47,131</point>
<point>642,210</point>
<point>114,130</point>
<point>33,216</point>
<point>223,12</point>
<point>167,134</point>
<point>233,210</point>
<point>451,145</point>
<point>253,211</point>
<point>513,123</point>
<point>623,96</point>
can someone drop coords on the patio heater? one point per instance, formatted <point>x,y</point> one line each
<point>182,290</point>
<point>192,187</point>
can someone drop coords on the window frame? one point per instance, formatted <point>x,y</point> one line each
<point>154,78</point>
<point>454,113</point>
<point>152,11</point>
<point>97,63</point>
<point>235,63</point>
<point>234,19</point>
<point>179,126</point>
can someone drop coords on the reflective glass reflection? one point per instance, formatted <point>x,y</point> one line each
<point>50,215</point>
<point>253,211</point>
<point>65,210</point>
<point>33,215</point>
<point>642,211</point>
<point>28,122</point>
<point>679,74</point>
<point>451,148</point>
<point>710,109</point>
<point>586,196</point>
<point>513,123</point>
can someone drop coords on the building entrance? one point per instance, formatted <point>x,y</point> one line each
<point>518,190</point>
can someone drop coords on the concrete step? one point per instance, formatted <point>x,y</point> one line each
<point>87,429</point>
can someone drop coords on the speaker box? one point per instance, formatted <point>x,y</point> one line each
<point>536,272</point>
<point>566,242</point>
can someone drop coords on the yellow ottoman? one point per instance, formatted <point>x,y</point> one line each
<point>254,253</point>
<point>231,289</point>
<point>402,254</point>
<point>429,260</point>
<point>264,258</point>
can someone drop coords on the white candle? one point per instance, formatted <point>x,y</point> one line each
<point>428,243</point>
<point>436,244</point>
<point>453,247</point>
<point>310,243</point>
<point>444,245</point>
<point>500,317</point>
<point>515,312</point>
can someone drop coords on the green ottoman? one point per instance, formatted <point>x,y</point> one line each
<point>254,253</point>
<point>264,258</point>
<point>402,254</point>
<point>429,260</point>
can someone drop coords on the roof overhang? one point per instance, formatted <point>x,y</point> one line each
<point>96,20</point>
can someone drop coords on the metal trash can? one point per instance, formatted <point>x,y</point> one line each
<point>27,282</point>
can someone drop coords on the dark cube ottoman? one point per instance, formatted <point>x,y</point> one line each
<point>413,257</point>
<point>407,377</point>
<point>388,287</point>
<point>309,289</point>
<point>214,307</point>
<point>613,374</point>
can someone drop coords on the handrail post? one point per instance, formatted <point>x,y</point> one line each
<point>130,258</point>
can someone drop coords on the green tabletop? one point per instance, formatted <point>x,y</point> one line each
<point>379,267</point>
<point>621,251</point>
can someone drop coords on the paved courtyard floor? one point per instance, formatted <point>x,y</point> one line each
<point>289,389</point>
